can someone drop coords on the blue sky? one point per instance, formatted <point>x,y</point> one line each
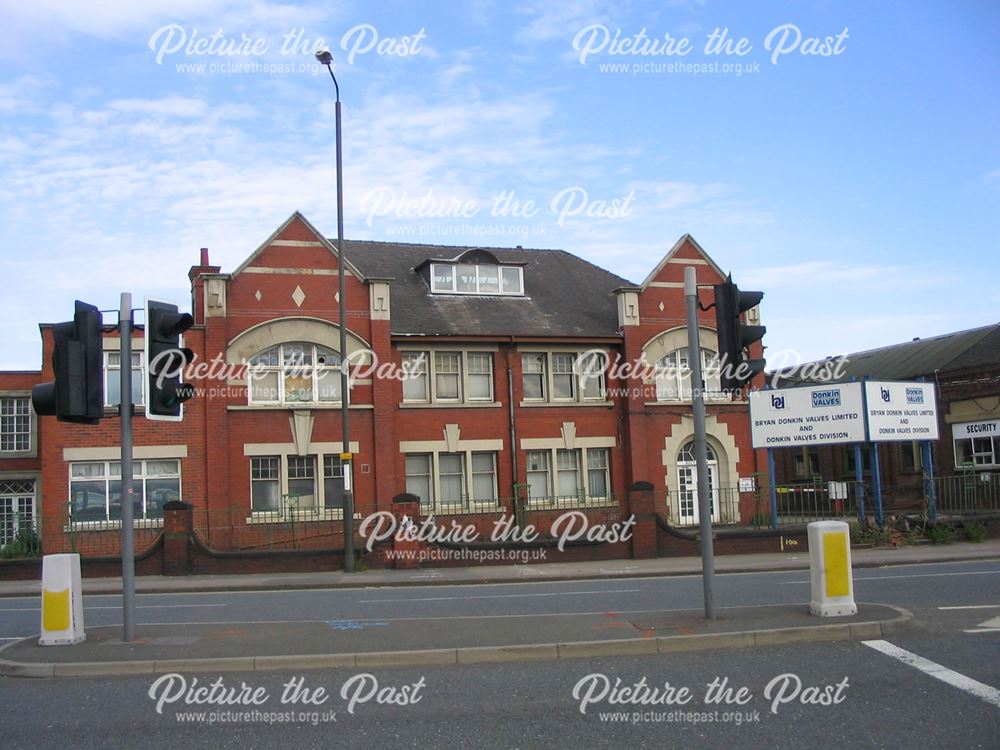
<point>859,189</point>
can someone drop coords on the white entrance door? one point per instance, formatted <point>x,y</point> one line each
<point>17,509</point>
<point>687,485</point>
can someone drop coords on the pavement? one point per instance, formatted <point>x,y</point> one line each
<point>291,644</point>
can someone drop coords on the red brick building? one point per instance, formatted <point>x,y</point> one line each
<point>520,392</point>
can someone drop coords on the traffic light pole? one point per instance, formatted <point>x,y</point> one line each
<point>127,490</point>
<point>700,449</point>
<point>344,381</point>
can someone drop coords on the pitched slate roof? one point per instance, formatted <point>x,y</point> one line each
<point>564,295</point>
<point>976,347</point>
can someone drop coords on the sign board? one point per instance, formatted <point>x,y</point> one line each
<point>816,415</point>
<point>747,484</point>
<point>837,490</point>
<point>966,430</point>
<point>901,411</point>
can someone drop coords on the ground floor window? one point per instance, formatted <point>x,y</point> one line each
<point>849,464</point>
<point>581,475</point>
<point>290,485</point>
<point>96,489</point>
<point>910,457</point>
<point>806,461</point>
<point>333,483</point>
<point>452,481</point>
<point>978,452</point>
<point>17,509</point>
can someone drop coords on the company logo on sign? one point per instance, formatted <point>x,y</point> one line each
<point>829,397</point>
<point>885,394</point>
<point>914,395</point>
<point>777,402</point>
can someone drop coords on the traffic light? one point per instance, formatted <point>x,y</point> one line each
<point>77,394</point>
<point>734,336</point>
<point>165,361</point>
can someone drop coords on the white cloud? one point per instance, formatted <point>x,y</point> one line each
<point>548,20</point>
<point>108,19</point>
<point>808,275</point>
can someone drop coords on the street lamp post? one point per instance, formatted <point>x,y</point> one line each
<point>325,58</point>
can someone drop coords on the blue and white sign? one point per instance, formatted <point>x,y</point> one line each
<point>901,411</point>
<point>817,415</point>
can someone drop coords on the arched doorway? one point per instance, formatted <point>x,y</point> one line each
<point>687,485</point>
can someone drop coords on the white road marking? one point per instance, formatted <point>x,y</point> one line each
<point>332,588</point>
<point>989,626</point>
<point>138,606</point>
<point>915,575</point>
<point>938,672</point>
<point>972,606</point>
<point>496,596</point>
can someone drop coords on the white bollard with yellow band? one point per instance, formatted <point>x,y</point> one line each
<point>830,569</point>
<point>62,601</point>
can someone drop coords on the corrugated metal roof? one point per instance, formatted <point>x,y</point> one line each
<point>975,347</point>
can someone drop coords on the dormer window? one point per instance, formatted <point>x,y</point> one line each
<point>476,278</point>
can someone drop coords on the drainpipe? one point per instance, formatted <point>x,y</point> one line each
<point>511,419</point>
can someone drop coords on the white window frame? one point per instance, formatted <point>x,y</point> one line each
<point>286,365</point>
<point>468,503</point>
<point>453,289</point>
<point>13,408</point>
<point>600,376</point>
<point>473,473</point>
<point>678,375</point>
<point>544,360</point>
<point>547,470</point>
<point>990,453</point>
<point>286,510</point>
<point>304,468</point>
<point>417,366</point>
<point>332,470</point>
<point>488,374</point>
<point>113,374</point>
<point>431,372</point>
<point>139,477</point>
<point>593,467</point>
<point>576,469</point>
<point>431,500</point>
<point>18,504</point>
<point>456,375</point>
<point>583,469</point>
<point>580,360</point>
<point>557,360</point>
<point>276,479</point>
<point>463,483</point>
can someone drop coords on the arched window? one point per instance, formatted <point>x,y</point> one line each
<point>673,375</point>
<point>294,373</point>
<point>687,453</point>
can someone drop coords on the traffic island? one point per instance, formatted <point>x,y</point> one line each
<point>325,644</point>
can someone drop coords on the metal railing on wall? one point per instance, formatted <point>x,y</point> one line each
<point>969,492</point>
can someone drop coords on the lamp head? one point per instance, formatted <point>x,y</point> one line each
<point>324,57</point>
